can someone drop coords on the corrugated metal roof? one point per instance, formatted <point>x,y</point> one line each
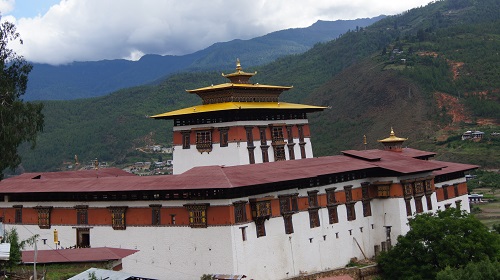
<point>222,177</point>
<point>76,255</point>
<point>106,274</point>
<point>226,106</point>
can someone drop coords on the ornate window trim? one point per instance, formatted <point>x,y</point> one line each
<point>82,215</point>
<point>118,217</point>
<point>313,217</point>
<point>351,211</point>
<point>197,214</point>
<point>224,136</point>
<point>287,220</point>
<point>204,140</point>
<point>186,139</point>
<point>240,211</point>
<point>155,214</point>
<point>44,216</point>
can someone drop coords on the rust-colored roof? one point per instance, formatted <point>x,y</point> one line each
<point>77,255</point>
<point>452,167</point>
<point>101,172</point>
<point>221,177</point>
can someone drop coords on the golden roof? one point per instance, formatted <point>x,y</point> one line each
<point>231,85</point>
<point>239,71</point>
<point>392,138</point>
<point>226,106</point>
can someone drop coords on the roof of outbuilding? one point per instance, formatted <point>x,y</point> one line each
<point>78,255</point>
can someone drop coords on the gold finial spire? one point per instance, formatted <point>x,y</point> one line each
<point>392,132</point>
<point>364,140</point>
<point>238,65</point>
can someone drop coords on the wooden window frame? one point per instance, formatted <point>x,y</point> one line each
<point>351,211</point>
<point>155,214</point>
<point>312,198</point>
<point>287,220</point>
<point>419,208</point>
<point>224,136</point>
<point>186,139</point>
<point>44,216</point>
<point>314,217</point>
<point>240,212</point>
<point>333,215</point>
<point>18,215</point>
<point>118,217</point>
<point>204,141</point>
<point>82,215</point>
<point>197,214</point>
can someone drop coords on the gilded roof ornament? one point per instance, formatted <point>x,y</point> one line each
<point>239,76</point>
<point>392,138</point>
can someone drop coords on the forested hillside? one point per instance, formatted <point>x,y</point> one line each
<point>430,73</point>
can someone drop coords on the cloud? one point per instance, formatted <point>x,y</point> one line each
<point>84,30</point>
<point>6,6</point>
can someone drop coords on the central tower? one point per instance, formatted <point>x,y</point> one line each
<point>239,123</point>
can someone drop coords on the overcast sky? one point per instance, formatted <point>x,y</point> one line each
<point>62,31</point>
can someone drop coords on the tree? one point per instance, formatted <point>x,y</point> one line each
<point>20,121</point>
<point>450,238</point>
<point>16,246</point>
<point>483,270</point>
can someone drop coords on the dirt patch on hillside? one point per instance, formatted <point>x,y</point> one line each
<point>455,68</point>
<point>453,107</point>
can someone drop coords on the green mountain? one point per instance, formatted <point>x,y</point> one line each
<point>430,73</point>
<point>96,78</point>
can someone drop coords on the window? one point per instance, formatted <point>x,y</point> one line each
<point>313,217</point>
<point>155,214</point>
<point>265,155</point>
<point>288,203</point>
<point>351,211</point>
<point>458,204</point>
<point>260,227</point>
<point>429,201</point>
<point>287,219</point>
<point>251,155</point>
<point>279,153</point>
<point>455,188</point>
<point>172,219</point>
<point>197,215</point>
<point>262,134</point>
<point>240,211</point>
<point>301,133</point>
<point>248,130</point>
<point>291,151</point>
<point>277,134</point>
<point>348,193</point>
<point>419,187</point>
<point>44,216</point>
<point>302,146</point>
<point>445,191</point>
<point>384,191</point>
<point>224,136</point>
<point>118,217</point>
<point>186,139</point>
<point>330,196</point>
<point>204,141</point>
<point>408,207</point>
<point>18,219</point>
<point>82,214</point>
<point>289,134</point>
<point>367,208</point>
<point>418,204</point>
<point>408,189</point>
<point>312,198</point>
<point>333,215</point>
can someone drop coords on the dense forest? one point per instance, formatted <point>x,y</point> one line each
<point>431,73</point>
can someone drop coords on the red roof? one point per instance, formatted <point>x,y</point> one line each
<point>102,172</point>
<point>452,167</point>
<point>77,255</point>
<point>221,177</point>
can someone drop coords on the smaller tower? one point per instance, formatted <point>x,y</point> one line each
<point>393,143</point>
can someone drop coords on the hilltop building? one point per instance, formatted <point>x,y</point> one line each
<point>248,198</point>
<point>239,123</point>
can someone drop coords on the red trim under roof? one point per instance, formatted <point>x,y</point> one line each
<point>78,255</point>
